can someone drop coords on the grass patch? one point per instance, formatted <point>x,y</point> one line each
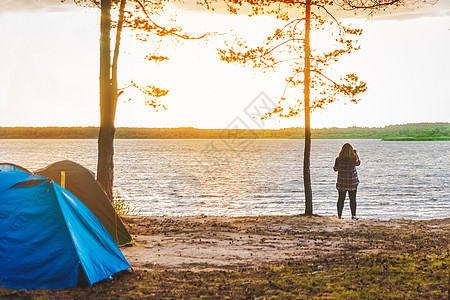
<point>382,276</point>
<point>397,276</point>
<point>123,207</point>
<point>368,277</point>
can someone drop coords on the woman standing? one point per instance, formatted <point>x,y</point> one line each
<point>347,179</point>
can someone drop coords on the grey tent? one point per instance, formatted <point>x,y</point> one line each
<point>82,184</point>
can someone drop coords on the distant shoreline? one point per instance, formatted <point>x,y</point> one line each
<point>407,132</point>
<point>443,139</point>
<point>418,139</point>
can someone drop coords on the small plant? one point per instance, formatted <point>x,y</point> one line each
<point>122,207</point>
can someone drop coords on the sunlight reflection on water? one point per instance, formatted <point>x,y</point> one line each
<point>258,177</point>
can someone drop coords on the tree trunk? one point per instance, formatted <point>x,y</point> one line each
<point>307,80</point>
<point>105,163</point>
<point>108,96</point>
<point>116,56</point>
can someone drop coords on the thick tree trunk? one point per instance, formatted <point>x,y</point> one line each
<point>307,80</point>
<point>108,96</point>
<point>105,164</point>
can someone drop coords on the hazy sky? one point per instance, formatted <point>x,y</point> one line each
<point>49,71</point>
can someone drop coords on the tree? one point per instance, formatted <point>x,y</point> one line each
<point>140,19</point>
<point>371,7</point>
<point>109,92</point>
<point>108,95</point>
<point>291,45</point>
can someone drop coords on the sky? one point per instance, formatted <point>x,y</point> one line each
<point>49,62</point>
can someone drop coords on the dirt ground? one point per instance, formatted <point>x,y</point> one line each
<point>276,257</point>
<point>220,243</point>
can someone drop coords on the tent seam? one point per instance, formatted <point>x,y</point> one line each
<point>68,232</point>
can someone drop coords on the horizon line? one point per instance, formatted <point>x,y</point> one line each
<point>195,128</point>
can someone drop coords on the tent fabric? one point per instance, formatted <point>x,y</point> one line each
<point>8,167</point>
<point>47,236</point>
<point>81,183</point>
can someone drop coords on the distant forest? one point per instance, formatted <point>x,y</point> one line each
<point>407,132</point>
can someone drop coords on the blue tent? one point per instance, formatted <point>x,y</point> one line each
<point>48,238</point>
<point>8,167</point>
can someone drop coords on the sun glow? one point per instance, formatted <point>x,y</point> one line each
<point>57,82</point>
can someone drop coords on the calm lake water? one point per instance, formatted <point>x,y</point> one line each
<point>258,177</point>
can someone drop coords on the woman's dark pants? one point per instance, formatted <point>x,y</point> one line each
<point>341,199</point>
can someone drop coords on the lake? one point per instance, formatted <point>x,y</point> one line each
<point>259,176</point>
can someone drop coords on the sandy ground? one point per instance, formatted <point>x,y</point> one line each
<point>274,257</point>
<point>220,243</point>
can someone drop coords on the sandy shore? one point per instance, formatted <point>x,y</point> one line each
<point>203,243</point>
<point>276,257</point>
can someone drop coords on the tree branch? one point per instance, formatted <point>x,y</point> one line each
<point>330,14</point>
<point>279,45</point>
<point>289,81</point>
<point>283,61</point>
<point>117,43</point>
<point>169,32</point>
<point>336,85</point>
<point>362,4</point>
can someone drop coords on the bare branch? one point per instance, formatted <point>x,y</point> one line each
<point>376,4</point>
